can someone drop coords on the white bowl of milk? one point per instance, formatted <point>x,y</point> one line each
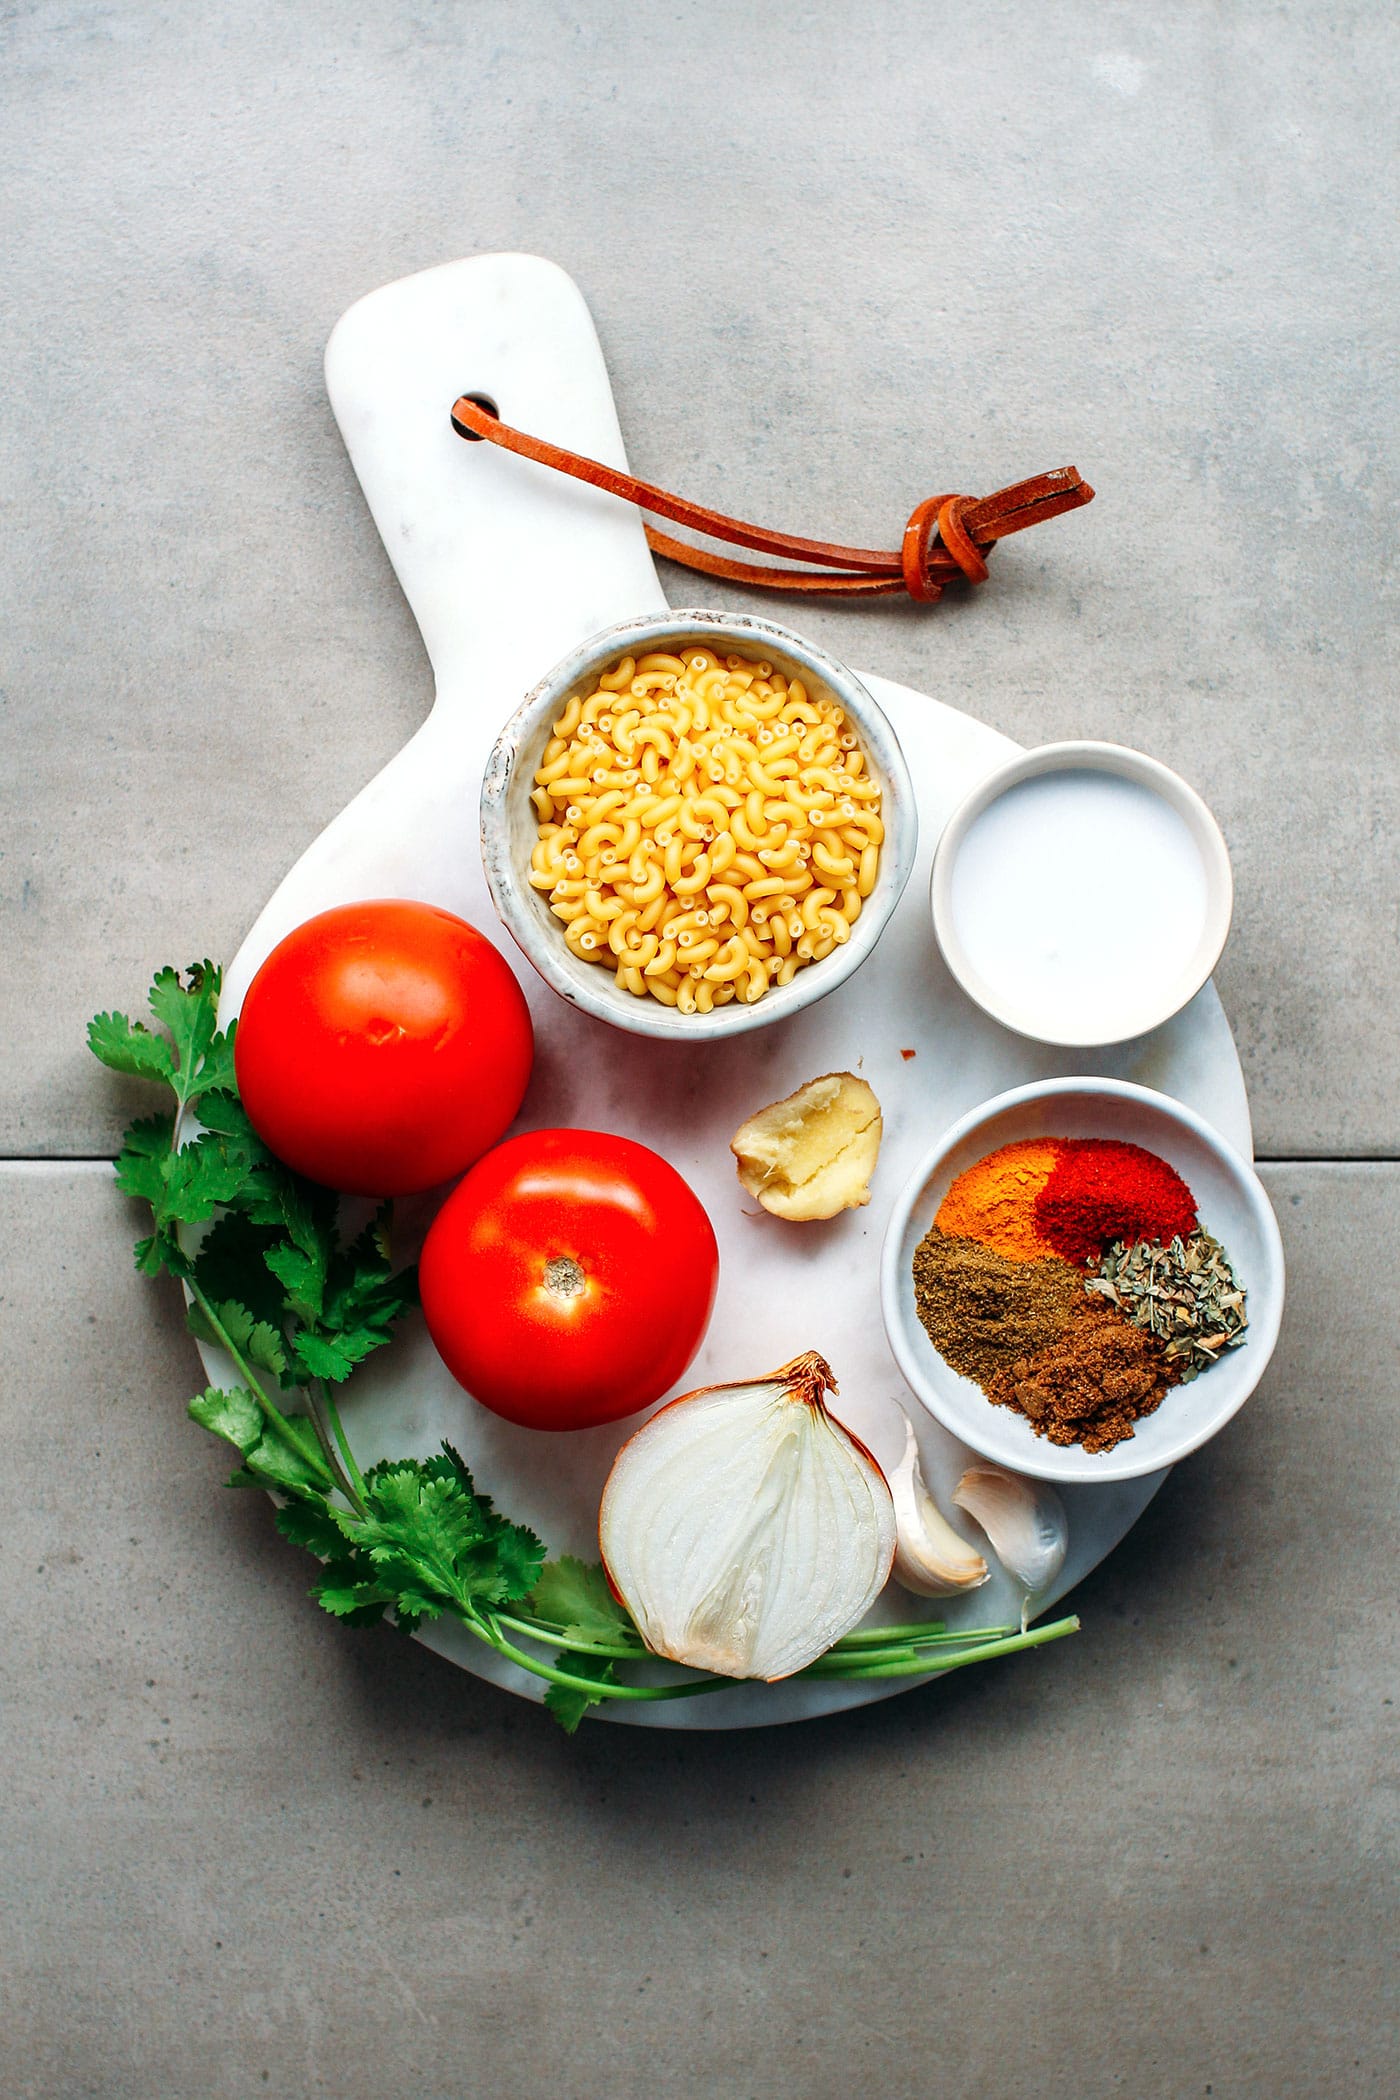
<point>1082,894</point>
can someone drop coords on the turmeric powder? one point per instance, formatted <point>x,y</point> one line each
<point>994,1201</point>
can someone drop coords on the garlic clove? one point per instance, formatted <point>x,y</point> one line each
<point>745,1528</point>
<point>929,1556</point>
<point>812,1154</point>
<point>1024,1519</point>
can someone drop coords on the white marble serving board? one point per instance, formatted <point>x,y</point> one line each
<point>507,565</point>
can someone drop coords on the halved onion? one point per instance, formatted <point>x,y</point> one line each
<point>746,1529</point>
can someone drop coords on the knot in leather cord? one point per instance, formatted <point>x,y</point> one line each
<point>945,515</point>
<point>966,527</point>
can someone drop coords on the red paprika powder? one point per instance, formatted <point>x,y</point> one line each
<point>1100,1190</point>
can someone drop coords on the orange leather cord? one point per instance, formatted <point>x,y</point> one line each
<point>946,536</point>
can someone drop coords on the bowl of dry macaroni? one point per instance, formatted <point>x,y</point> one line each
<point>696,824</point>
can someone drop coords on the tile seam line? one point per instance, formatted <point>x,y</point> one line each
<point>1261,1159</point>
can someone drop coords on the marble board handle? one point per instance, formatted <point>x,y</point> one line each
<point>505,565</point>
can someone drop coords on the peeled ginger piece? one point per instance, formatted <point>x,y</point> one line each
<point>813,1154</point>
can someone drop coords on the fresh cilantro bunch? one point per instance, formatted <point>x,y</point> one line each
<point>257,1248</point>
<point>270,1280</point>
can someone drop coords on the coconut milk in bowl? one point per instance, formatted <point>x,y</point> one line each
<point>1082,894</point>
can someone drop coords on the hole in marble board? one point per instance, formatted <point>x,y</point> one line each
<point>483,401</point>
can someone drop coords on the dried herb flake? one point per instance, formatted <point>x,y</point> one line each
<point>1185,1294</point>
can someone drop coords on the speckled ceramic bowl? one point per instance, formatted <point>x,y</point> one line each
<point>1231,1204</point>
<point>509,829</point>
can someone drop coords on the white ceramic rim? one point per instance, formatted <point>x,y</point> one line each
<point>1088,756</point>
<point>1071,1462</point>
<point>522,911</point>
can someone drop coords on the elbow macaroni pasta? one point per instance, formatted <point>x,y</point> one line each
<point>706,828</point>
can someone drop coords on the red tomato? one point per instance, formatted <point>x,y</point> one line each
<point>569,1278</point>
<point>382,1047</point>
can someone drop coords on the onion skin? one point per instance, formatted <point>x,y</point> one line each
<point>810,1524</point>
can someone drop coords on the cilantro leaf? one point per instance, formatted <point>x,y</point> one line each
<point>230,1264</point>
<point>519,1558</point>
<point>130,1046</point>
<point>429,1523</point>
<point>233,1413</point>
<point>293,1461</point>
<point>263,1197</point>
<point>432,1538</point>
<point>309,1214</point>
<point>311,1524</point>
<point>449,1464</point>
<point>203,1176</point>
<point>194,1058</point>
<point>346,1595</point>
<point>567,1702</point>
<point>141,1161</point>
<point>363,1289</point>
<point>215,1073</point>
<point>519,1554</point>
<point>574,1596</point>
<point>190,1012</point>
<point>222,1111</point>
<point>161,1251</point>
<point>334,1356</point>
<point>346,1298</point>
<point>302,1274</point>
<point>256,1340</point>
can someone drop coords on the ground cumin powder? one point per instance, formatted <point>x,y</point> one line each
<point>984,1312</point>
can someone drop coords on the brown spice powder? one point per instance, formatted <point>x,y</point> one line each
<point>1090,1383</point>
<point>1028,1333</point>
<point>984,1312</point>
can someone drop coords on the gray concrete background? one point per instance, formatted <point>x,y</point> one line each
<point>837,258</point>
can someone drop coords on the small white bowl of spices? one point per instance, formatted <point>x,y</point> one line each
<point>698,823</point>
<point>1082,1280</point>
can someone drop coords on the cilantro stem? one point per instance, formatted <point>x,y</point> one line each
<point>557,1637</point>
<point>870,1651</point>
<point>1033,1637</point>
<point>251,1379</point>
<point>869,1654</point>
<point>355,1492</point>
<point>911,1665</point>
<point>494,1638</point>
<point>316,1412</point>
<point>863,1647</point>
<point>830,1668</point>
<point>877,1636</point>
<point>918,1633</point>
<point>335,1473</point>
